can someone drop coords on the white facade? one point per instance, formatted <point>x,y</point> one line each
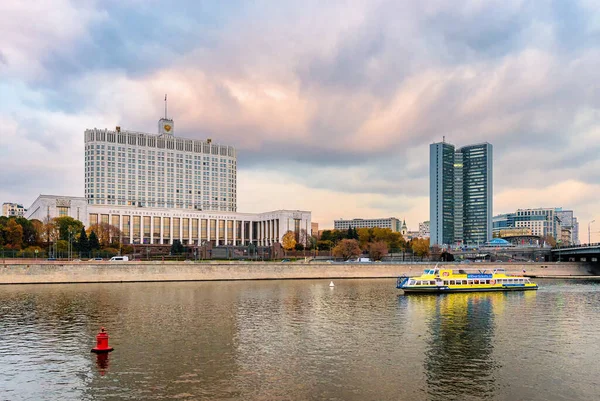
<point>147,225</point>
<point>127,168</point>
<point>424,229</point>
<point>47,207</point>
<point>391,222</point>
<point>542,221</point>
<point>13,210</point>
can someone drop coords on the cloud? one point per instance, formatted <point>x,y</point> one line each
<point>335,101</point>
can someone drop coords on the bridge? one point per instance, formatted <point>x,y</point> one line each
<point>589,253</point>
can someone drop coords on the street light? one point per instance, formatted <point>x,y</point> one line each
<point>590,232</point>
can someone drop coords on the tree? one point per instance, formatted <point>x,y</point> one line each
<point>13,235</point>
<point>346,248</point>
<point>38,226</point>
<point>303,238</point>
<point>378,249</point>
<point>420,247</point>
<point>326,235</point>
<point>49,231</point>
<point>66,225</point>
<point>82,245</point>
<point>364,237</point>
<point>108,235</point>
<point>350,233</point>
<point>446,257</point>
<point>30,236</point>
<point>549,239</point>
<point>94,244</point>
<point>324,245</point>
<point>177,247</point>
<point>288,241</point>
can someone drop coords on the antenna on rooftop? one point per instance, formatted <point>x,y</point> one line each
<point>165,106</point>
<point>443,137</point>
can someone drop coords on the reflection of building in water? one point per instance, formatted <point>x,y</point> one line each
<point>458,361</point>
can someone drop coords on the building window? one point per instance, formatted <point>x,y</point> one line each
<point>62,211</point>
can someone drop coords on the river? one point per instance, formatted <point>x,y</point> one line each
<point>299,340</point>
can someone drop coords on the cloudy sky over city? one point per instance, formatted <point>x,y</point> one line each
<point>331,105</point>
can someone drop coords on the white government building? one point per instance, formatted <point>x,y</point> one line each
<point>159,188</point>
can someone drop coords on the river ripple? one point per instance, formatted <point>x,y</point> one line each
<point>298,340</point>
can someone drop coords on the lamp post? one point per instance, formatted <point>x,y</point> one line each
<point>590,232</point>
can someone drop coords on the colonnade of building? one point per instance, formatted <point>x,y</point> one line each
<point>160,230</point>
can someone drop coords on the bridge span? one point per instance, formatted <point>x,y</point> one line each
<point>589,253</point>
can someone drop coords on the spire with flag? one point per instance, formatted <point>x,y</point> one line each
<point>165,106</point>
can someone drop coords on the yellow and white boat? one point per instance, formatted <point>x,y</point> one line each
<point>464,280</point>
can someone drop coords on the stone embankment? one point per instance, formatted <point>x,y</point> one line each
<point>37,272</point>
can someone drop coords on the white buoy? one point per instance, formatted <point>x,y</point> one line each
<point>331,284</point>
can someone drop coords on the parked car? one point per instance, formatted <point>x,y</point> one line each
<point>285,260</point>
<point>119,259</point>
<point>95,260</point>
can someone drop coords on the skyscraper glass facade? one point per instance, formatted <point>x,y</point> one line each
<point>477,193</point>
<point>460,194</point>
<point>441,187</point>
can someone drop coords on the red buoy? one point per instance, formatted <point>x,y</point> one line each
<point>102,342</point>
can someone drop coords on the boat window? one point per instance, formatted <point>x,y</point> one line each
<point>411,282</point>
<point>487,281</point>
<point>432,282</point>
<point>464,282</point>
<point>452,282</point>
<point>476,282</point>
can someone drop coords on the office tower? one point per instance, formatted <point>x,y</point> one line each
<point>461,191</point>
<point>130,168</point>
<point>441,193</point>
<point>477,193</point>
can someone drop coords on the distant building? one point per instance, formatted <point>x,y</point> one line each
<point>314,229</point>
<point>392,223</point>
<point>13,210</point>
<point>555,222</point>
<point>569,222</point>
<point>424,229</point>
<point>411,235</point>
<point>512,232</point>
<point>460,194</point>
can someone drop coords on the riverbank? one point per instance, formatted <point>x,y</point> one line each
<point>46,272</point>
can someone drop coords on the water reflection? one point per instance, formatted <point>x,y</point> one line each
<point>459,357</point>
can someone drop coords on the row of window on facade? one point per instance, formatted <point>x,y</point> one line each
<point>156,141</point>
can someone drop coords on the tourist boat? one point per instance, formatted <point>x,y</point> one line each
<point>464,280</point>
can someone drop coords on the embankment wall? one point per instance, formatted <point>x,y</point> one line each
<point>37,272</point>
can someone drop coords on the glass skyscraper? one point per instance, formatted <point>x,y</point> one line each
<point>461,190</point>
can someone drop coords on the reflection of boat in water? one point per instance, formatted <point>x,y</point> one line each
<point>464,280</point>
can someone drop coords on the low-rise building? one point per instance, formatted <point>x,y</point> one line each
<point>539,222</point>
<point>392,223</point>
<point>13,210</point>
<point>158,226</point>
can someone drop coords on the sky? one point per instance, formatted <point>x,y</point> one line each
<point>330,105</point>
